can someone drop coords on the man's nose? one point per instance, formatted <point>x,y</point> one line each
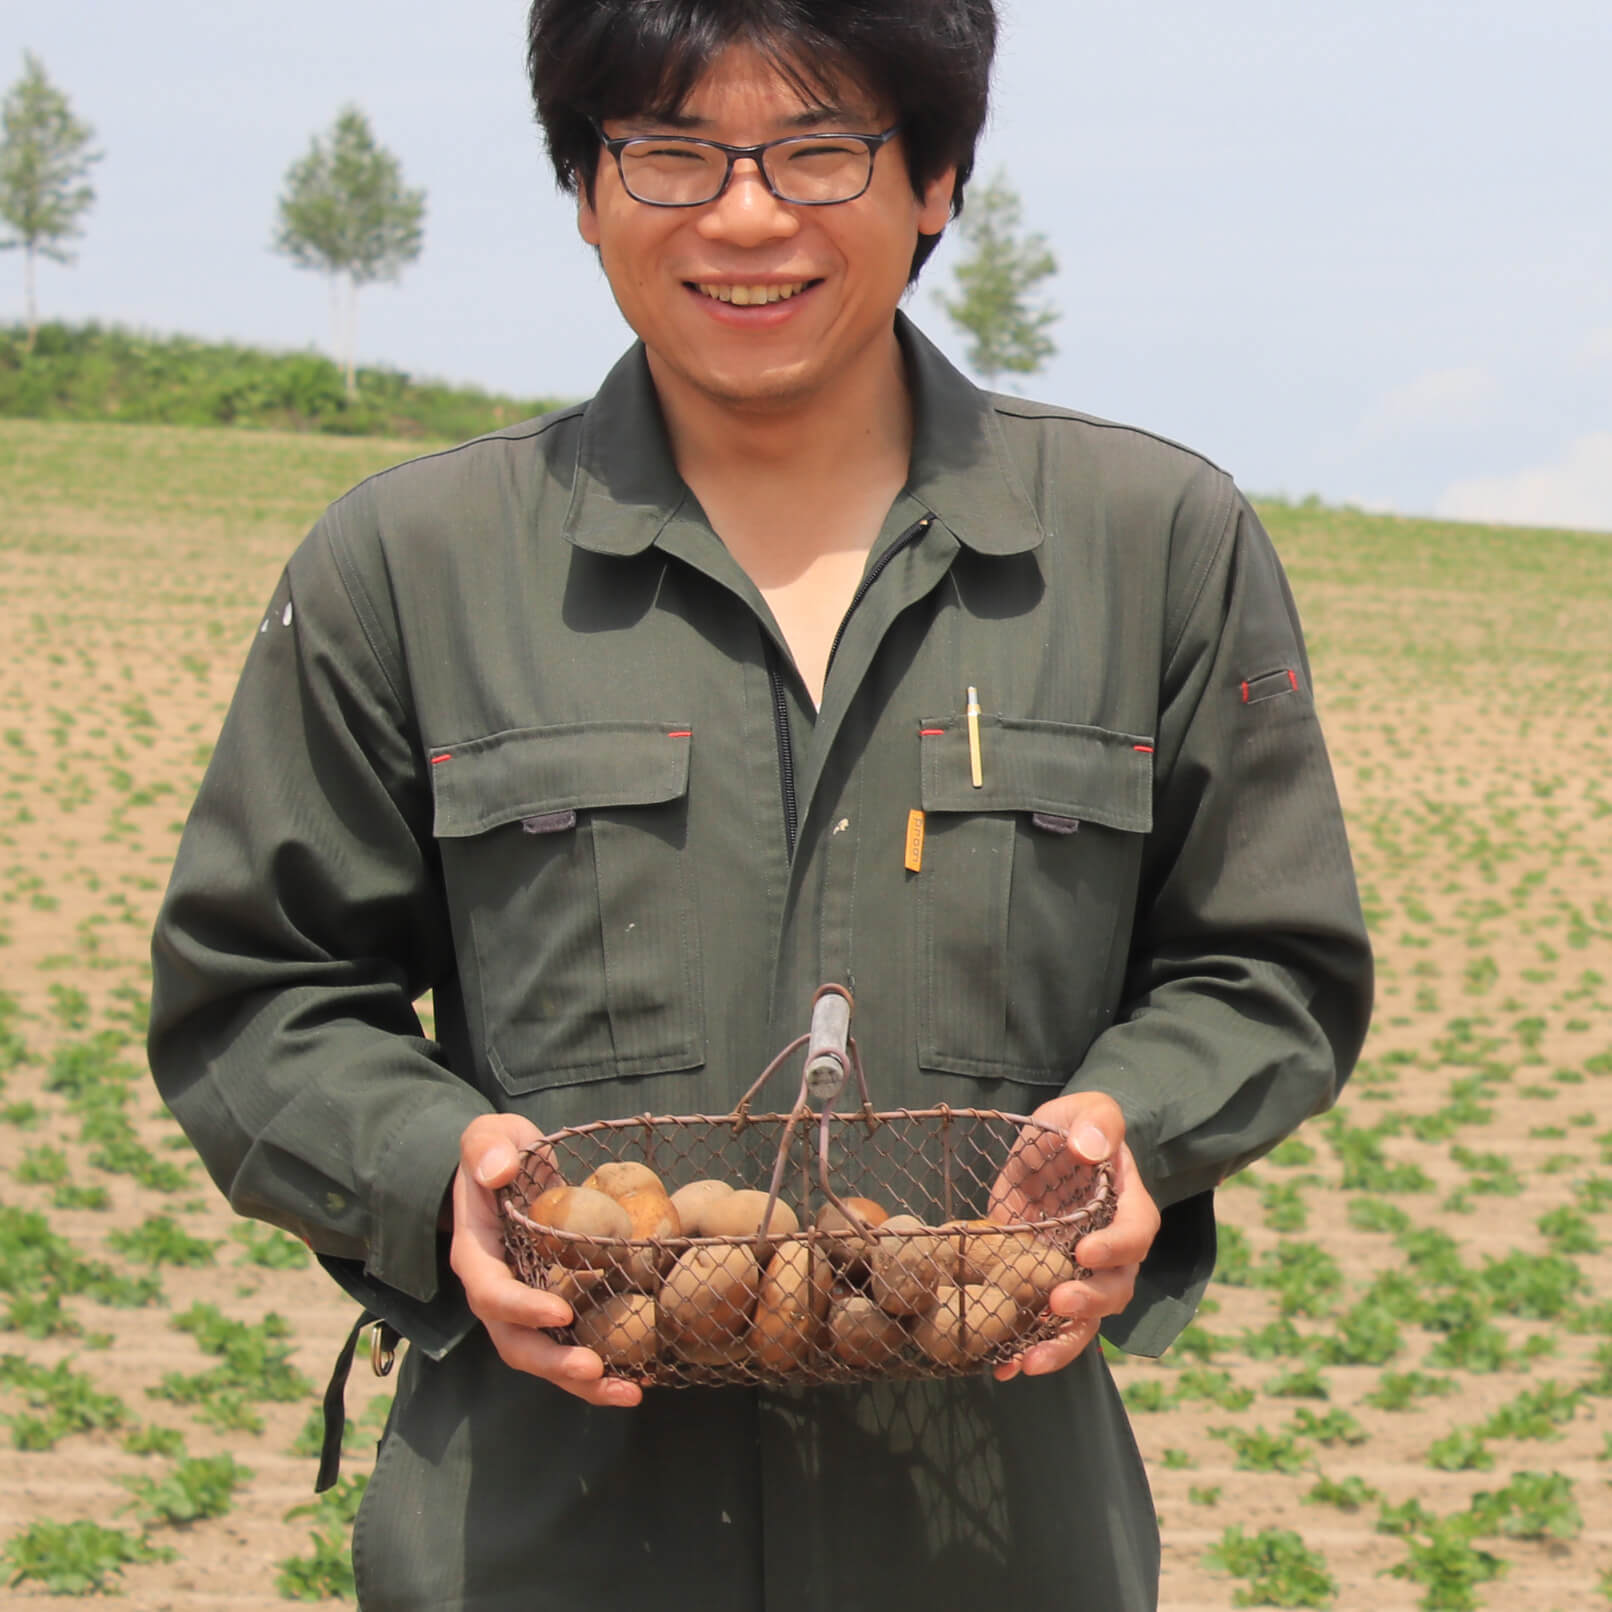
<point>747,213</point>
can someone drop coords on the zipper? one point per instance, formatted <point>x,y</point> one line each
<point>786,751</point>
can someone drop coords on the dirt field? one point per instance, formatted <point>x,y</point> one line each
<point>1405,1370</point>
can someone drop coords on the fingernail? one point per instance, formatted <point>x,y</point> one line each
<point>1092,1143</point>
<point>495,1162</point>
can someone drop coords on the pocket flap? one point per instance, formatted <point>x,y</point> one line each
<point>528,772</point>
<point>1057,768</point>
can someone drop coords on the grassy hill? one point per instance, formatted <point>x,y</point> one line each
<point>105,373</point>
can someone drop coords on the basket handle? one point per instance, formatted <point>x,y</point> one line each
<point>828,1044</point>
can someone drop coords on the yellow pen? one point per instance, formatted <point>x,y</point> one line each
<point>976,770</point>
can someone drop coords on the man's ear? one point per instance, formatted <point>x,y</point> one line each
<point>935,205</point>
<point>587,219</point>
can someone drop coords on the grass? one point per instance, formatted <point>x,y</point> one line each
<point>1427,1264</point>
<point>90,373</point>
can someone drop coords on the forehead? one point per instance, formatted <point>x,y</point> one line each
<point>743,84</point>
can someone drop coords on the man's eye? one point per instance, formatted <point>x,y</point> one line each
<point>654,153</point>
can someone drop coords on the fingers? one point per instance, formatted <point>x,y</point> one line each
<point>517,1317</point>
<point>1127,1239</point>
<point>579,1372</point>
<point>1052,1355</point>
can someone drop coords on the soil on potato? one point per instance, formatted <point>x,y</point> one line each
<point>1462,677</point>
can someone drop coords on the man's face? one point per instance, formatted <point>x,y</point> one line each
<point>845,266</point>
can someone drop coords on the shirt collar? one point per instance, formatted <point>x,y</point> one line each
<point>627,490</point>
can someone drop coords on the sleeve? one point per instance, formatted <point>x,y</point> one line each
<point>303,919</point>
<point>1249,982</point>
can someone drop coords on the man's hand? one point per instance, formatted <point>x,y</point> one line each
<point>1095,1128</point>
<point>514,1314</point>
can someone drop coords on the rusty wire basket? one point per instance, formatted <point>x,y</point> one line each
<point>807,1247</point>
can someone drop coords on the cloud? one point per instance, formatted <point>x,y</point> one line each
<point>1575,491</point>
<point>1442,399</point>
<point>1598,345</point>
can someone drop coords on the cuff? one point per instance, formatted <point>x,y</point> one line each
<point>407,1194</point>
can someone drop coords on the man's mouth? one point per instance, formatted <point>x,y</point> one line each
<point>751,296</point>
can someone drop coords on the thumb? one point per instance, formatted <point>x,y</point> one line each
<point>1096,1128</point>
<point>489,1148</point>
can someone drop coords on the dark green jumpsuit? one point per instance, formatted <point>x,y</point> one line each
<point>518,732</point>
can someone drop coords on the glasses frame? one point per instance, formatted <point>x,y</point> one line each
<point>874,143</point>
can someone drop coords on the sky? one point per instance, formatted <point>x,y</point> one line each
<point>1360,251</point>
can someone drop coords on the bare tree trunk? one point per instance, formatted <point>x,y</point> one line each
<point>352,338</point>
<point>28,295</point>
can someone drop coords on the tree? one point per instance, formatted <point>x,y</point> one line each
<point>994,282</point>
<point>45,154</point>
<point>346,211</point>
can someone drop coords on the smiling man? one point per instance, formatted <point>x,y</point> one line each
<point>607,730</point>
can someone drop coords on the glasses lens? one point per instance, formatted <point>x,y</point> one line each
<point>815,169</point>
<point>678,173</point>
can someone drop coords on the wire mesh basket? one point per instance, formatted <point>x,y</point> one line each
<point>812,1246</point>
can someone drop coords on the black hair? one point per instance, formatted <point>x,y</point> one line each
<point>929,61</point>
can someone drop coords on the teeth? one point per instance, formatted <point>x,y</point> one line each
<point>752,296</point>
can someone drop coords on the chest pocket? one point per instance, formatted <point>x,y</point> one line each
<point>564,852</point>
<point>1026,884</point>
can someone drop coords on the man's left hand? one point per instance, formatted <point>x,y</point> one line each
<point>1095,1128</point>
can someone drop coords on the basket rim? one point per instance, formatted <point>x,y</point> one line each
<point>1102,1194</point>
<point>811,1115</point>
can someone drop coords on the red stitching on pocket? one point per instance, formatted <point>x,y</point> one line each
<point>681,733</point>
<point>930,733</point>
<point>1143,749</point>
<point>1293,678</point>
<point>436,761</point>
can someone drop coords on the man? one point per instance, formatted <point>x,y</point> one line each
<point>607,730</point>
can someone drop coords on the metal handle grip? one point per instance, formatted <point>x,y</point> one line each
<point>828,1044</point>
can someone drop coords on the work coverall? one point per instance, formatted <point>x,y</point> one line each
<point>518,732</point>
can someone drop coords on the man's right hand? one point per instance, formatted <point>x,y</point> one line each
<point>517,1317</point>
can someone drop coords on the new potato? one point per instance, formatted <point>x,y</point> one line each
<point>620,1330</point>
<point>739,1215</point>
<point>965,1323</point>
<point>691,1202</point>
<point>707,1301</point>
<point>616,1180</point>
<point>863,1335</point>
<point>588,1215</point>
<point>791,1308</point>
<point>907,1271</point>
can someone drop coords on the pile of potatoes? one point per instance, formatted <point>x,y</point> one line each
<point>867,1293</point>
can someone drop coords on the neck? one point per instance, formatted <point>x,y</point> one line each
<point>863,420</point>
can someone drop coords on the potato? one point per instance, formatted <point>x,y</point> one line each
<point>846,1245</point>
<point>739,1215</point>
<point>907,1271</point>
<point>707,1301</point>
<point>791,1308</point>
<point>590,1215</point>
<point>1019,1262</point>
<point>690,1203</point>
<point>863,1335</point>
<point>966,1323</point>
<point>616,1180</point>
<point>576,1287</point>
<point>652,1215</point>
<point>620,1330</point>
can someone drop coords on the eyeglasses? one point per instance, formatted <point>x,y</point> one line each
<point>808,170</point>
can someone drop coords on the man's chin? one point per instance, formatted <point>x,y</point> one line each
<point>775,390</point>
